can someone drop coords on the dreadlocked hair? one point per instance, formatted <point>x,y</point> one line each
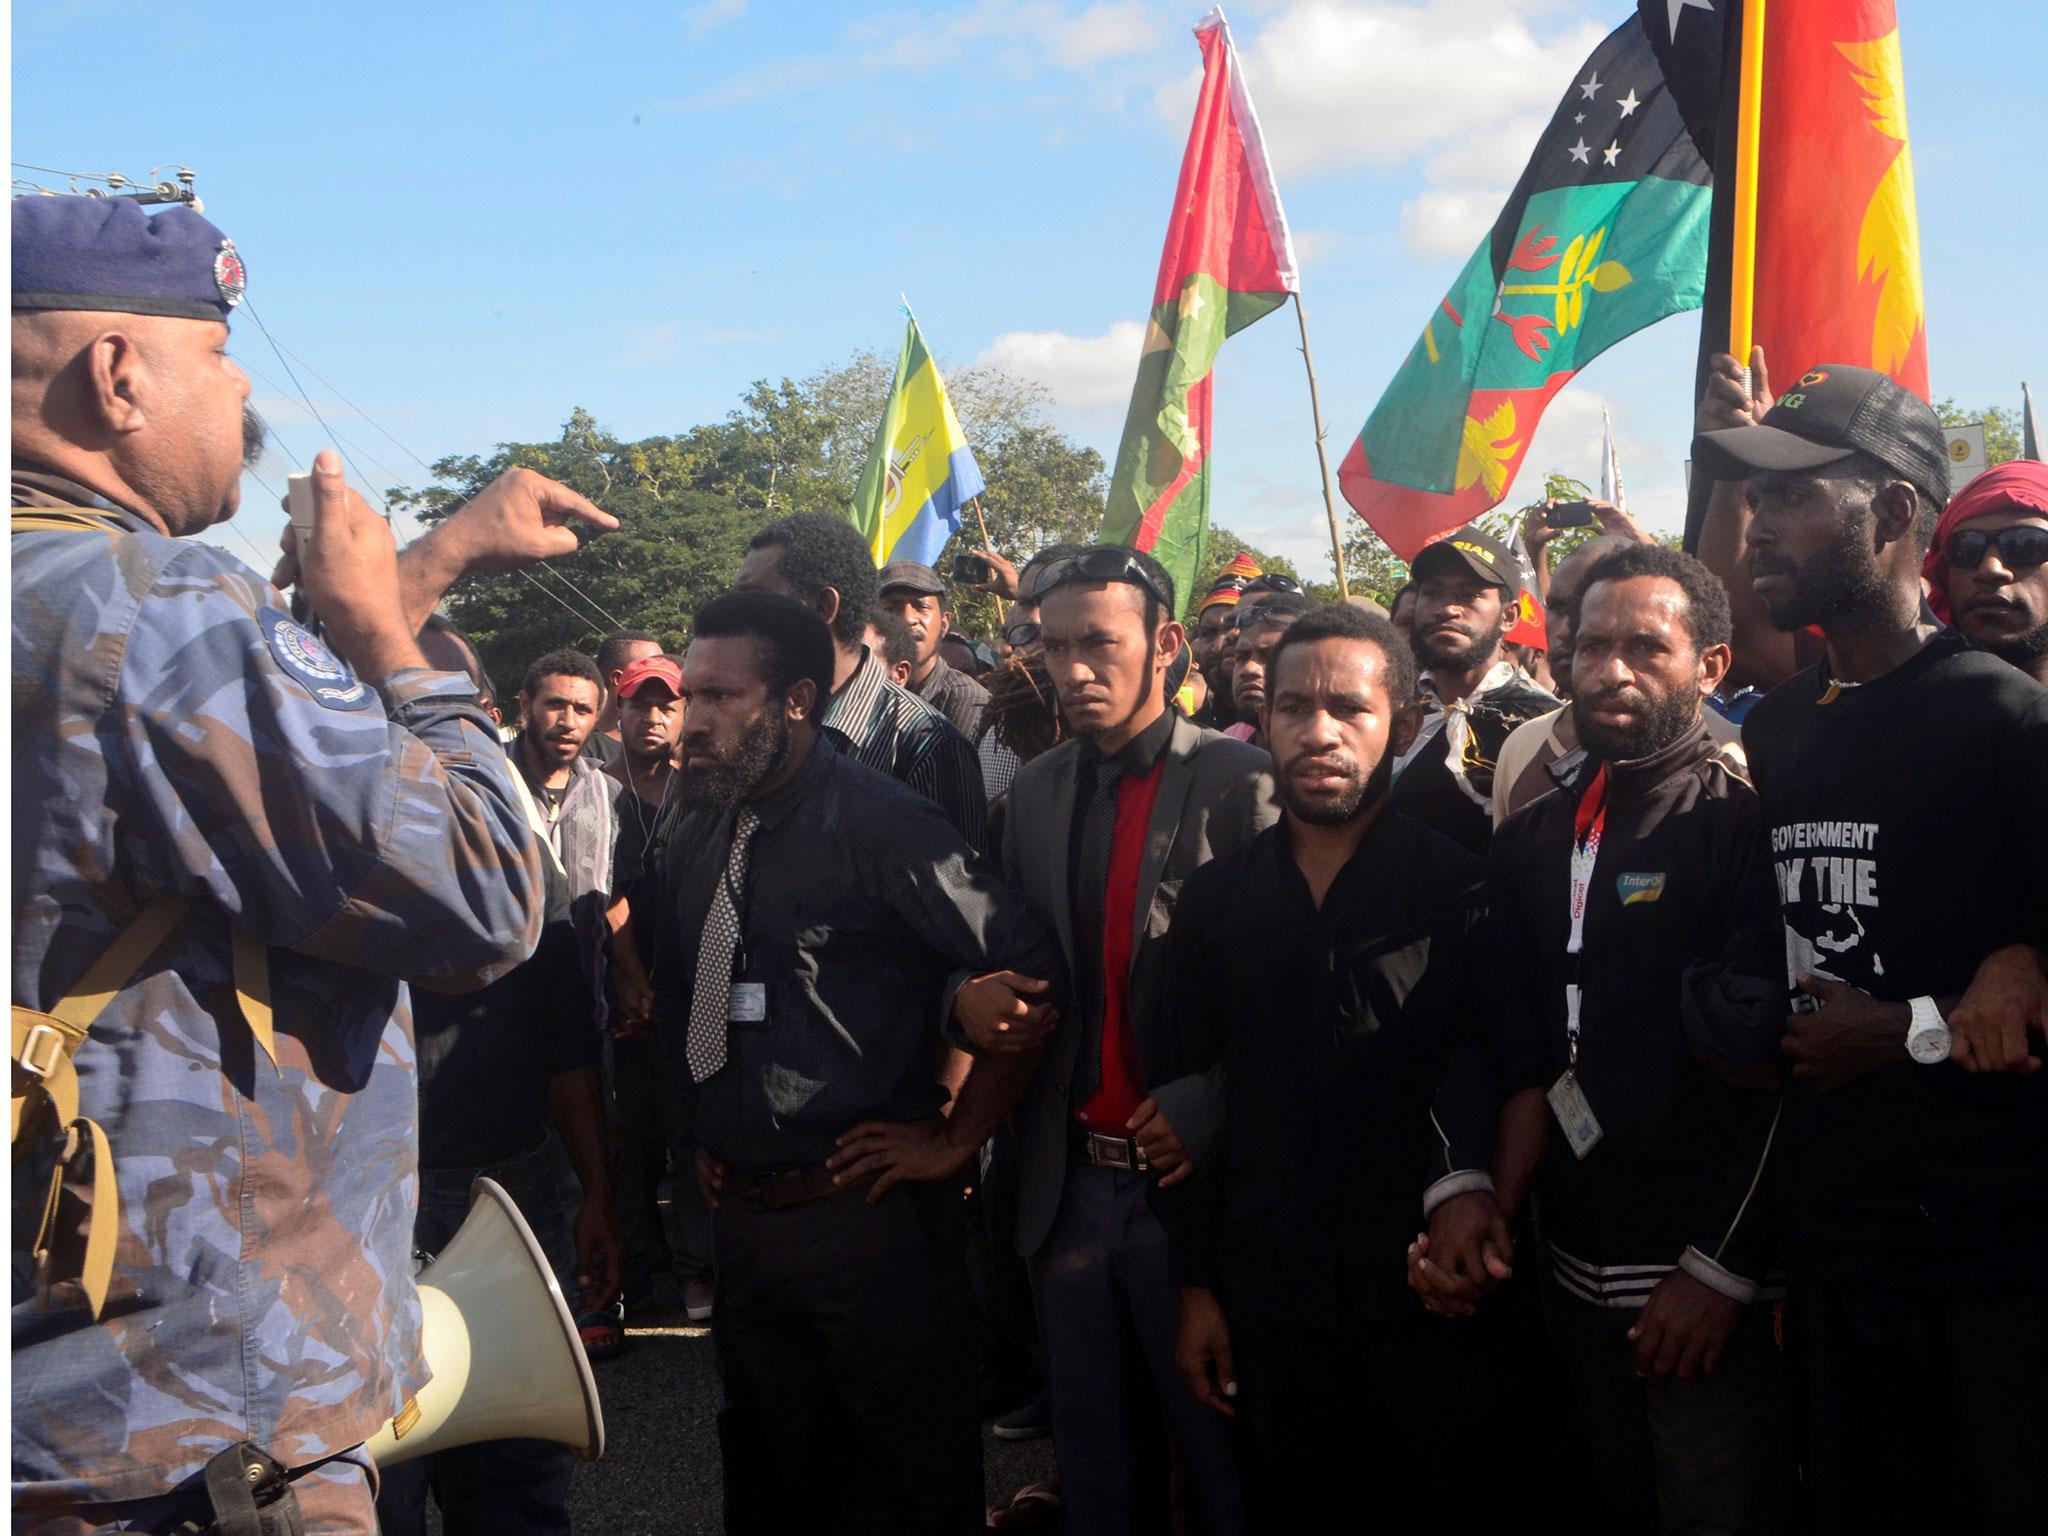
<point>1022,710</point>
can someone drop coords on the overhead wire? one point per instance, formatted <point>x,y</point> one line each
<point>604,615</point>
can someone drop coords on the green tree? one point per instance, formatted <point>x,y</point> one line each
<point>2001,427</point>
<point>1222,548</point>
<point>688,503</point>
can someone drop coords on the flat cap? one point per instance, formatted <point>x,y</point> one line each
<point>910,576</point>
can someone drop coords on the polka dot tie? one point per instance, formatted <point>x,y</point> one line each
<point>711,1002</point>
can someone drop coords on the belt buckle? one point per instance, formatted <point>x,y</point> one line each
<point>1111,1152</point>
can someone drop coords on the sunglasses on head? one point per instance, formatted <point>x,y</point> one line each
<point>1272,581</point>
<point>1104,563</point>
<point>2020,545</point>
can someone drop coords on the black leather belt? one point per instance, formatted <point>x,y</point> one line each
<point>1102,1151</point>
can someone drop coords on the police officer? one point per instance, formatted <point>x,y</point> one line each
<point>295,827</point>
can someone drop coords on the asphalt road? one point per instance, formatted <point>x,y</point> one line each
<point>660,1468</point>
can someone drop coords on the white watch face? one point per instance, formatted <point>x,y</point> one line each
<point>1928,1046</point>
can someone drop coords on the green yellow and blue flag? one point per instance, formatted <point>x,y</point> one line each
<point>920,472</point>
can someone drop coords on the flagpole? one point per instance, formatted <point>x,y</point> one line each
<point>1748,134</point>
<point>1315,406</point>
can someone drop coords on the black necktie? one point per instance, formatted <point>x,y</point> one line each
<point>1091,890</point>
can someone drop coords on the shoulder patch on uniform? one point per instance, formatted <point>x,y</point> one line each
<point>306,658</point>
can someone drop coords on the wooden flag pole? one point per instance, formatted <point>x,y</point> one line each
<point>981,522</point>
<point>1748,125</point>
<point>1315,406</point>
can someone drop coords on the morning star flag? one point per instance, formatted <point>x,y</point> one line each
<point>1605,233</point>
<point>920,472</point>
<point>1837,234</point>
<point>1228,261</point>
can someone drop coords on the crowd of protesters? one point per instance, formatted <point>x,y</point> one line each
<point>1324,1066</point>
<point>1582,1088</point>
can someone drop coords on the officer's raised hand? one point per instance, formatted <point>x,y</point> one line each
<point>518,518</point>
<point>347,566</point>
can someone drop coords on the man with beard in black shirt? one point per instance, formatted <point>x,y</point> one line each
<point>1473,697</point>
<point>1648,865</point>
<point>1904,783</point>
<point>1326,972</point>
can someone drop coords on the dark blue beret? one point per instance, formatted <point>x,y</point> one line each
<point>106,253</point>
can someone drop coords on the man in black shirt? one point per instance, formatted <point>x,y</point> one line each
<point>1646,867</point>
<point>1904,783</point>
<point>1324,971</point>
<point>1472,696</point>
<point>821,561</point>
<point>825,920</point>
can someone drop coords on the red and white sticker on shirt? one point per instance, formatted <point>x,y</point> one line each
<point>305,658</point>
<point>229,275</point>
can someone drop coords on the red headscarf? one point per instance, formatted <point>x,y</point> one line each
<point>2016,485</point>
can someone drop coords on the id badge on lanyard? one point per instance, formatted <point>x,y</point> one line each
<point>1567,1099</point>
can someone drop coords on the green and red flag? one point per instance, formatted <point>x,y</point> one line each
<point>1228,261</point>
<point>1605,233</point>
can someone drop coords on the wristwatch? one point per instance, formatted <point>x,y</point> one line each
<point>1927,1036</point>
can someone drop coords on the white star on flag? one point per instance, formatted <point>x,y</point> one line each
<point>1676,6</point>
<point>1578,117</point>
<point>1591,85</point>
<point>1628,103</point>
<point>1580,150</point>
<point>1612,153</point>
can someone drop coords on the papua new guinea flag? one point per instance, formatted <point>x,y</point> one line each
<point>1837,234</point>
<point>1228,261</point>
<point>1605,233</point>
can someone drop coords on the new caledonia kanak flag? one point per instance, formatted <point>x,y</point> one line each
<point>920,472</point>
<point>1605,233</point>
<point>1228,261</point>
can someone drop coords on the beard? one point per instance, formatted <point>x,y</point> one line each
<point>724,782</point>
<point>2020,650</point>
<point>1358,797</point>
<point>1660,720</point>
<point>253,436</point>
<point>1431,657</point>
<point>1841,582</point>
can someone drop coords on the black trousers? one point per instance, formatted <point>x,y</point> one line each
<point>846,1345</point>
<point>1398,1425</point>
<point>1922,1413</point>
<point>1707,1457</point>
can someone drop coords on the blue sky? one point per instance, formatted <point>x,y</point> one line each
<point>470,219</point>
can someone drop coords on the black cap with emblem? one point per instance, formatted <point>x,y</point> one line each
<point>1831,413</point>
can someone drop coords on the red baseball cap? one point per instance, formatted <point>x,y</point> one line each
<point>659,668</point>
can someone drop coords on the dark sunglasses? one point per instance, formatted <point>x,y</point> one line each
<point>1024,632</point>
<point>2021,544</point>
<point>1106,562</point>
<point>1273,582</point>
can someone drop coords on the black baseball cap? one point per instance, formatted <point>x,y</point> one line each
<point>1834,411</point>
<point>910,576</point>
<point>1471,548</point>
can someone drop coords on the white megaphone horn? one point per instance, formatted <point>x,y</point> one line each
<point>506,1359</point>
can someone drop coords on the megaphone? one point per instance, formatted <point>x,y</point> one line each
<point>498,1335</point>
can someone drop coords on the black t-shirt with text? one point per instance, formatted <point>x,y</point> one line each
<point>1908,828</point>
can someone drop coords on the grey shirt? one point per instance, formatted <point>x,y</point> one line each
<point>956,696</point>
<point>862,911</point>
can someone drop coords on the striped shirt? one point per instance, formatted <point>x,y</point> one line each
<point>891,730</point>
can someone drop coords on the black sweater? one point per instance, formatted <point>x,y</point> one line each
<point>1680,1176</point>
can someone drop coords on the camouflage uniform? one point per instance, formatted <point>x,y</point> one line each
<point>176,733</point>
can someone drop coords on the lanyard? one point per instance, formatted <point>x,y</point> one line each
<point>1588,822</point>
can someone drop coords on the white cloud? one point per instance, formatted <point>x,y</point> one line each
<point>1078,372</point>
<point>1493,156</point>
<point>1312,247</point>
<point>1448,221</point>
<point>1101,32</point>
<point>699,19</point>
<point>1340,84</point>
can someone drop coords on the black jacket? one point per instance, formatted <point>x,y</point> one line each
<point>1681,882</point>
